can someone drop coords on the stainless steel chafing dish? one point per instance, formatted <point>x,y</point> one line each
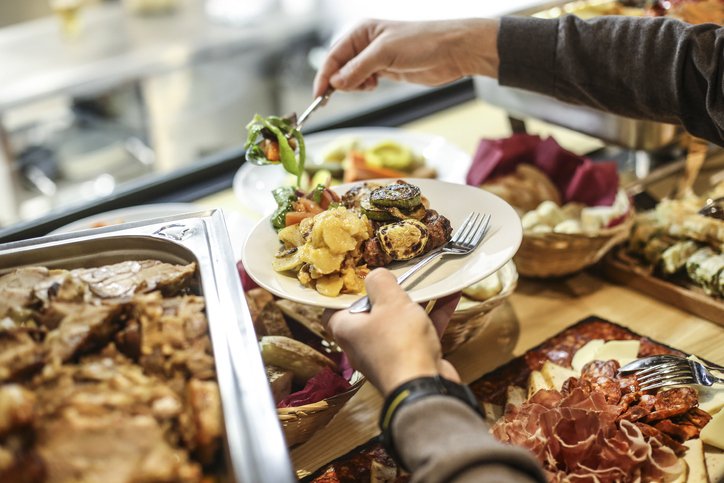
<point>618,130</point>
<point>256,451</point>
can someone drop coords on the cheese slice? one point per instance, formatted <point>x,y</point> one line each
<point>556,375</point>
<point>586,354</point>
<point>694,458</point>
<point>623,351</point>
<point>713,432</point>
<point>536,382</point>
<point>515,395</point>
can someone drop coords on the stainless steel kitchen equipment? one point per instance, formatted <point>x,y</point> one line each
<point>618,130</point>
<point>256,451</point>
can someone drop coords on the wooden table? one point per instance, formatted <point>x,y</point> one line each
<point>537,310</point>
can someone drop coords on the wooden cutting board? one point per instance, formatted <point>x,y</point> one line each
<point>624,270</point>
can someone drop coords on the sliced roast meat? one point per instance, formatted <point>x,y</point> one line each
<point>127,278</point>
<point>20,354</point>
<point>17,291</point>
<point>83,327</point>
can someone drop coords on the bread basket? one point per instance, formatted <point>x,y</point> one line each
<point>551,254</point>
<point>301,422</point>
<point>471,316</point>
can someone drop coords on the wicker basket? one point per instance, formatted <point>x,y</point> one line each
<point>544,255</point>
<point>301,422</point>
<point>471,317</point>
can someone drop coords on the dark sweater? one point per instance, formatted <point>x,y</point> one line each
<point>443,440</point>
<point>658,69</point>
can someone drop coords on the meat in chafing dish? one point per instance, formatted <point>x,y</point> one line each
<point>106,374</point>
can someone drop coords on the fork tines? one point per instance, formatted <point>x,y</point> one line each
<point>472,230</point>
<point>665,375</point>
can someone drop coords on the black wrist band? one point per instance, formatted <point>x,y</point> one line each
<point>412,391</point>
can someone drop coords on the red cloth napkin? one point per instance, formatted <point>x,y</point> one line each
<point>577,178</point>
<point>325,384</point>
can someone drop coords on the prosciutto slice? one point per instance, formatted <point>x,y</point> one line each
<point>581,436</point>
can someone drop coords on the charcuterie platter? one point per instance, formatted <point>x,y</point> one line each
<point>523,387</point>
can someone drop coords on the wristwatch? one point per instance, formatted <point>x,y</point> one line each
<point>414,390</point>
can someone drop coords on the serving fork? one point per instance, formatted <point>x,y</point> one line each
<point>646,362</point>
<point>676,372</point>
<point>464,240</point>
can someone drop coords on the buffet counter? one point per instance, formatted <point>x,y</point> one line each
<point>536,311</point>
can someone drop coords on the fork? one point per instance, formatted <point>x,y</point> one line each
<point>646,362</point>
<point>676,373</point>
<point>463,241</point>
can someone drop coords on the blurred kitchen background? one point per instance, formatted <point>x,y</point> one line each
<point>96,95</point>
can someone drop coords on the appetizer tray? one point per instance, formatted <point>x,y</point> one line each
<point>254,446</point>
<point>623,269</point>
<point>370,461</point>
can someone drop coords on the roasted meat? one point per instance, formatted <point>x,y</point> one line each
<point>106,374</point>
<point>126,278</point>
<point>439,231</point>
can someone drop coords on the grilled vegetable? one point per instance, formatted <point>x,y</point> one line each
<point>373,212</point>
<point>279,140</point>
<point>285,198</point>
<point>403,240</point>
<point>389,154</point>
<point>399,195</point>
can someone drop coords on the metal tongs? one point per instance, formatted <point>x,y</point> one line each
<point>316,104</point>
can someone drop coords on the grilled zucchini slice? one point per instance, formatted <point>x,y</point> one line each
<point>373,212</point>
<point>403,240</point>
<point>399,195</point>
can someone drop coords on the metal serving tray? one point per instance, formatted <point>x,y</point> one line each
<point>618,130</point>
<point>256,451</point>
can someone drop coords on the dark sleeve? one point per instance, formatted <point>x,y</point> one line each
<point>442,440</point>
<point>658,69</point>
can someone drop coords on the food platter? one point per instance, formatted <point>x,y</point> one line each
<point>253,184</point>
<point>441,278</point>
<point>490,389</point>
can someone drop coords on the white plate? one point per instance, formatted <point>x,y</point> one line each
<point>441,278</point>
<point>253,184</point>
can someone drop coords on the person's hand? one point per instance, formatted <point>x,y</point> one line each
<point>396,341</point>
<point>430,53</point>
